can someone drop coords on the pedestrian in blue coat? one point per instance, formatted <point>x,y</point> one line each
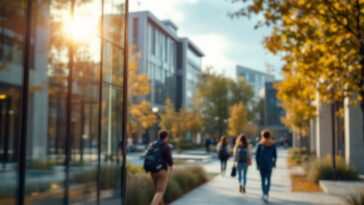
<point>266,157</point>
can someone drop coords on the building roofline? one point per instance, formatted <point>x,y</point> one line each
<point>170,23</point>
<point>193,46</point>
<point>157,22</point>
<point>164,28</point>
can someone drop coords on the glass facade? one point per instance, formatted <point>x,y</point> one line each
<point>160,64</point>
<point>74,130</point>
<point>192,78</point>
<point>194,57</point>
<point>274,111</point>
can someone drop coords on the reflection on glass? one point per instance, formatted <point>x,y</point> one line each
<point>52,33</point>
<point>192,56</point>
<point>11,55</point>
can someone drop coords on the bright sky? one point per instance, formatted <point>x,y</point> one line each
<point>226,42</point>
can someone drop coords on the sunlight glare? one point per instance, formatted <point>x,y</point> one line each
<point>79,29</point>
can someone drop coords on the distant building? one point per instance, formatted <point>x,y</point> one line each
<point>273,112</point>
<point>173,64</point>
<point>157,42</point>
<point>189,69</point>
<point>256,79</point>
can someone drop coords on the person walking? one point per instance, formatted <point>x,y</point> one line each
<point>208,144</point>
<point>242,159</point>
<point>266,157</point>
<point>223,153</point>
<point>158,161</point>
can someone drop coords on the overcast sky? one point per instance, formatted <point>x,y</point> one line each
<point>226,42</point>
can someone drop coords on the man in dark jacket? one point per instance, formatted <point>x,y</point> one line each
<point>266,156</point>
<point>160,178</point>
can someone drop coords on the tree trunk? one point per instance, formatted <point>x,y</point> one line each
<point>361,82</point>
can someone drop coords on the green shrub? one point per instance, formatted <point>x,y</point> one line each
<point>356,199</point>
<point>182,180</point>
<point>299,155</point>
<point>321,169</point>
<point>185,179</point>
<point>110,177</point>
<point>41,165</point>
<point>139,189</point>
<point>173,191</point>
<point>199,173</point>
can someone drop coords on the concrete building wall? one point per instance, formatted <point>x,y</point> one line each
<point>323,130</point>
<point>313,135</point>
<point>354,140</point>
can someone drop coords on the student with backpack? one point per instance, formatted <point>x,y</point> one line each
<point>158,161</point>
<point>266,157</point>
<point>223,153</point>
<point>242,159</point>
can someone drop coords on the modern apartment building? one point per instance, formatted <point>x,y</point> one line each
<point>256,79</point>
<point>172,63</point>
<point>273,112</point>
<point>189,63</point>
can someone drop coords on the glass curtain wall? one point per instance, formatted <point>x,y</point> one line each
<point>71,157</point>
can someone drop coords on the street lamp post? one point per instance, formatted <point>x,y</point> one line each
<point>156,111</point>
<point>333,124</point>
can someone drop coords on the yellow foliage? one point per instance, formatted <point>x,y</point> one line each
<point>238,119</point>
<point>179,123</point>
<point>140,116</point>
<point>322,44</point>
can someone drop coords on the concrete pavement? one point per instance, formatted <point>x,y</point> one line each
<point>224,189</point>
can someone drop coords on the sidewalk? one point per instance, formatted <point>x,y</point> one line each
<point>224,189</point>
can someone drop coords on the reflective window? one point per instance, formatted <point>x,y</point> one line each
<point>63,125</point>
<point>194,57</point>
<point>12,27</point>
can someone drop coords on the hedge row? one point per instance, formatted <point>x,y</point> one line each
<point>322,169</point>
<point>299,156</point>
<point>182,180</point>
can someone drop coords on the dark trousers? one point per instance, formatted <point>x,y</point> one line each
<point>223,164</point>
<point>265,175</point>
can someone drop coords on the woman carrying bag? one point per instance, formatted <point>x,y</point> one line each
<point>242,159</point>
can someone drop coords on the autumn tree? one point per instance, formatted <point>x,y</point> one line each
<point>140,116</point>
<point>321,41</point>
<point>215,94</point>
<point>179,122</point>
<point>238,118</point>
<point>297,98</point>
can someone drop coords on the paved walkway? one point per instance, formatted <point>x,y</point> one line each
<point>224,189</point>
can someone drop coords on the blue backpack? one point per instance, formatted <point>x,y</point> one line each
<point>224,153</point>
<point>153,161</point>
<point>242,155</point>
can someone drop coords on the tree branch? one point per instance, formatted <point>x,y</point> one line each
<point>334,16</point>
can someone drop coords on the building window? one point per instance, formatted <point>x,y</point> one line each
<point>154,40</point>
<point>54,133</point>
<point>135,30</point>
<point>251,78</point>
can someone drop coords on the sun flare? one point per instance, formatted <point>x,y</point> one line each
<point>80,28</point>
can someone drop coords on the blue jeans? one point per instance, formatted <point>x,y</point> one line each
<point>265,175</point>
<point>242,169</point>
<point>223,163</point>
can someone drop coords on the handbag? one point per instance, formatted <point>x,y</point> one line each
<point>249,162</point>
<point>233,171</point>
